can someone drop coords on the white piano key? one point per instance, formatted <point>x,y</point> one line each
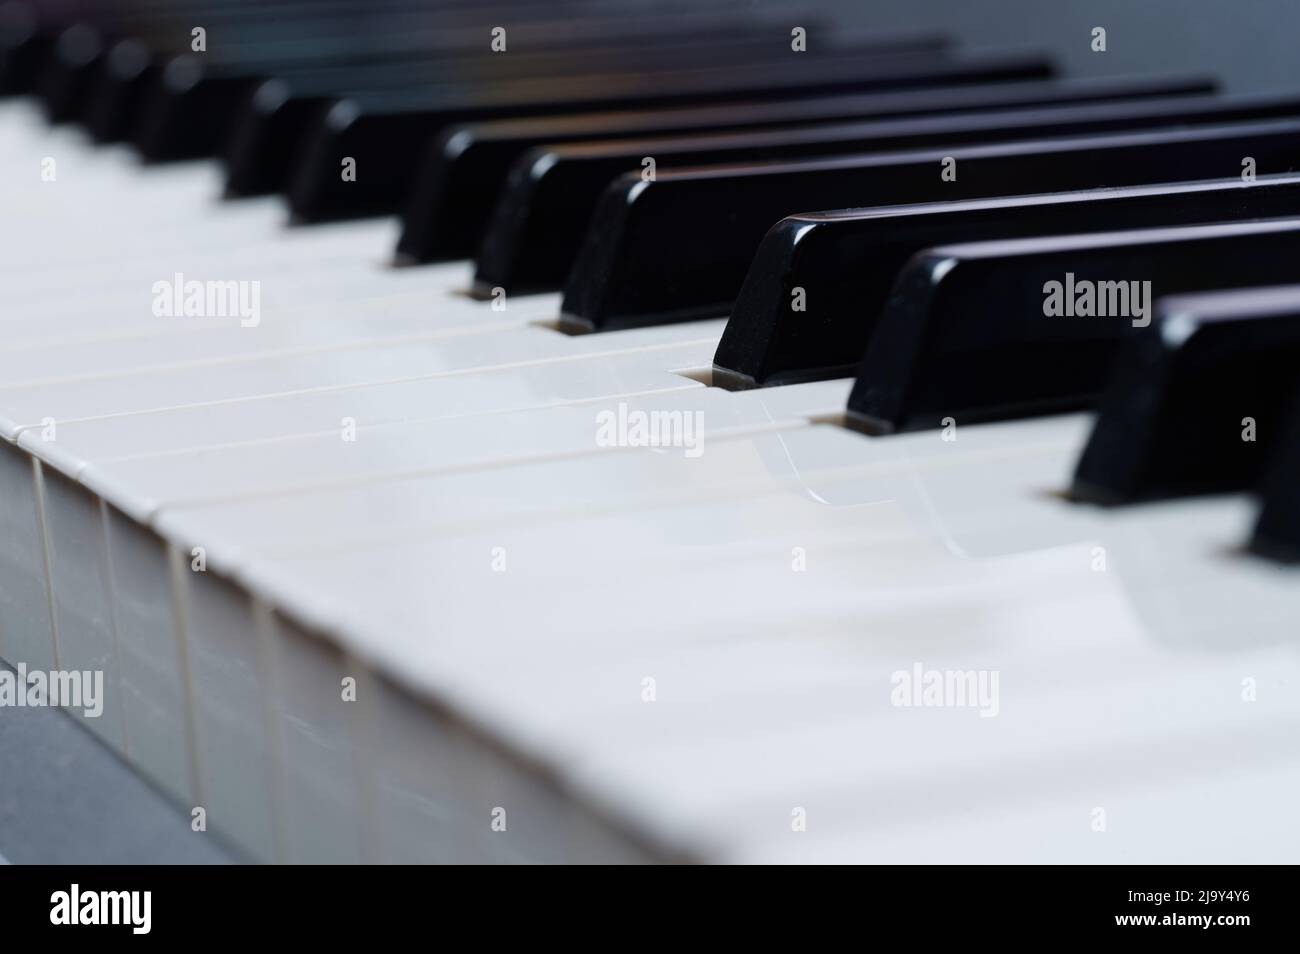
<point>441,786</point>
<point>409,451</point>
<point>289,274</point>
<point>158,724</point>
<point>770,453</point>
<point>910,762</point>
<point>285,271</point>
<point>26,405</point>
<point>588,597</point>
<point>372,406</point>
<point>235,738</point>
<point>142,707</point>
<point>422,798</point>
<point>1166,824</point>
<point>80,584</point>
<point>323,801</point>
<point>213,342</point>
<point>26,630</point>
<point>538,703</point>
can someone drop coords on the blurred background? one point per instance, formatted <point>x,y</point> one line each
<point>1248,44</point>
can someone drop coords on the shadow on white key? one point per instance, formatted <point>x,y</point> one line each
<point>26,634</point>
<point>236,743</point>
<point>158,723</point>
<point>325,805</point>
<point>81,589</point>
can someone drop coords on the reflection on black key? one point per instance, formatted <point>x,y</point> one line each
<point>538,226</point>
<point>264,136</point>
<point>266,132</point>
<point>453,63</point>
<point>250,42</point>
<point>459,180</point>
<point>389,141</point>
<point>1008,329</point>
<point>1196,400</point>
<point>341,50</point>
<point>844,263</point>
<point>126,73</point>
<point>1277,531</point>
<point>678,248</point>
<point>186,111</point>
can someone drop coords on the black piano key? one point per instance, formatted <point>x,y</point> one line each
<point>846,263</point>
<point>412,119</point>
<point>256,158</point>
<point>1006,329</point>
<point>287,33</point>
<point>1196,400</point>
<point>26,44</point>
<point>266,132</point>
<point>388,141</point>
<point>185,114</point>
<point>263,138</point>
<point>268,128</point>
<point>130,67</point>
<point>190,105</point>
<point>1277,529</point>
<point>678,248</point>
<point>459,180</point>
<point>30,30</point>
<point>409,51</point>
<point>81,81</point>
<point>127,70</point>
<point>537,227</point>
<point>66,79</point>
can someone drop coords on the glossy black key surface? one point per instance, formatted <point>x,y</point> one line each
<point>1277,530</point>
<point>388,141</point>
<point>538,225</point>
<point>125,73</point>
<point>138,39</point>
<point>65,81</point>
<point>128,78</point>
<point>189,110</point>
<point>341,49</point>
<point>26,43</point>
<point>280,110</point>
<point>78,81</point>
<point>128,72</point>
<point>29,29</point>
<point>1196,401</point>
<point>186,114</point>
<point>252,37</point>
<point>459,180</point>
<point>678,248</point>
<point>845,263</point>
<point>995,330</point>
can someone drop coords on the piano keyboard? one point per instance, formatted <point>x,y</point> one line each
<point>638,515</point>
